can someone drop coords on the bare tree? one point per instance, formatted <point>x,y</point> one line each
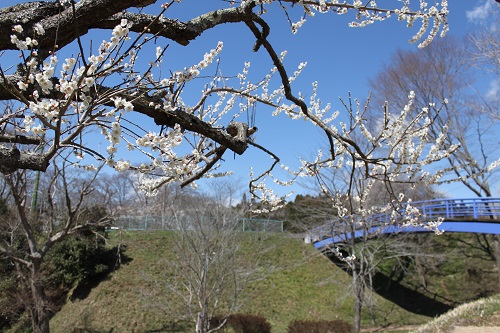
<point>484,54</point>
<point>207,272</point>
<point>486,50</point>
<point>119,193</point>
<point>27,236</point>
<point>307,212</point>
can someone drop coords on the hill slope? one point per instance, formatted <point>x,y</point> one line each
<point>302,285</point>
<point>484,312</point>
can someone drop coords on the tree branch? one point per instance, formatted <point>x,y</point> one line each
<point>59,22</point>
<point>21,139</point>
<point>11,159</point>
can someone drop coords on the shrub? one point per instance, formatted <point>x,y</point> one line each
<point>320,326</point>
<point>246,323</point>
<point>76,263</point>
<point>216,321</point>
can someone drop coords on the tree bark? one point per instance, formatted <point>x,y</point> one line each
<point>496,246</point>
<point>12,159</point>
<point>359,295</point>
<point>68,25</point>
<point>40,318</point>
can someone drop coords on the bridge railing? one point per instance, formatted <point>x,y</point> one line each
<point>475,208</point>
<point>483,209</point>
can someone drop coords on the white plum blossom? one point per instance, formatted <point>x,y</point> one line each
<point>17,28</point>
<point>44,82</point>
<point>122,103</point>
<point>39,29</point>
<point>111,149</point>
<point>21,45</point>
<point>119,32</point>
<point>37,130</point>
<point>22,86</point>
<point>357,4</point>
<point>46,109</point>
<point>122,166</point>
<point>297,25</point>
<point>193,71</point>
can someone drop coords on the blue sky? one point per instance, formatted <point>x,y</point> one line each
<point>341,59</point>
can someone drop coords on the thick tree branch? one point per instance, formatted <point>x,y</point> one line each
<point>21,139</point>
<point>144,104</point>
<point>59,22</point>
<point>11,159</point>
<point>190,122</point>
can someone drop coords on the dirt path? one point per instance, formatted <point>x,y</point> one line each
<point>406,328</point>
<point>472,329</point>
<point>457,329</point>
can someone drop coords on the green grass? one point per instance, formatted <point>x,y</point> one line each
<point>303,284</point>
<point>483,312</point>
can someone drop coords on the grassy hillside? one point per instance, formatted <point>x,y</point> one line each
<point>483,312</point>
<point>303,284</point>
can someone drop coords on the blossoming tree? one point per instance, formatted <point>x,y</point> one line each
<point>66,86</point>
<point>57,102</point>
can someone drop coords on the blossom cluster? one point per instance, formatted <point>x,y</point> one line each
<point>193,71</point>
<point>28,42</point>
<point>163,143</point>
<point>368,12</point>
<point>78,82</point>
<point>397,149</point>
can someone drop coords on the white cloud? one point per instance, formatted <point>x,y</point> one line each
<point>493,92</point>
<point>480,12</point>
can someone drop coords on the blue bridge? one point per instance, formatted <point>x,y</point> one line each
<point>476,215</point>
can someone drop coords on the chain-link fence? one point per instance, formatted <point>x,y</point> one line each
<point>171,223</point>
<point>144,223</point>
<point>260,225</point>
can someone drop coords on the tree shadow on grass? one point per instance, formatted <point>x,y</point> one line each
<point>409,299</point>
<point>169,327</point>
<point>112,259</point>
<point>406,298</point>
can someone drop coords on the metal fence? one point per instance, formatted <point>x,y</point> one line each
<point>147,222</point>
<point>260,225</point>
